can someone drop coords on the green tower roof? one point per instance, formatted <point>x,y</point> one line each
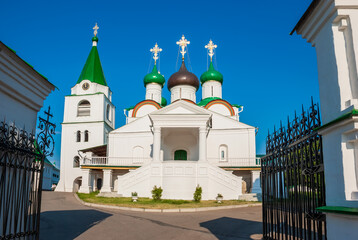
<point>154,77</point>
<point>92,70</point>
<point>211,74</point>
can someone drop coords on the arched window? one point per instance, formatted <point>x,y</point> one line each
<point>137,154</point>
<point>86,136</point>
<point>223,153</point>
<point>108,110</point>
<point>78,136</point>
<point>84,108</point>
<point>76,162</point>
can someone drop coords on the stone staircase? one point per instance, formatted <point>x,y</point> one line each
<point>251,197</point>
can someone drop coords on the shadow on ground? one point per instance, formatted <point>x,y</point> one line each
<point>226,228</point>
<point>68,224</point>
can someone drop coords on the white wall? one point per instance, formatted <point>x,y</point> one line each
<point>220,108</point>
<point>96,124</point>
<point>94,88</point>
<point>153,92</point>
<point>22,91</point>
<point>179,180</point>
<point>333,29</point>
<point>211,89</point>
<point>183,92</point>
<point>240,144</point>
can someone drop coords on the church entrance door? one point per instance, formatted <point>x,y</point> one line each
<point>180,155</point>
<point>99,183</point>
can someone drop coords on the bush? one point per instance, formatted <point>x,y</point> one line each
<point>157,193</point>
<point>219,195</point>
<point>134,194</point>
<point>197,193</point>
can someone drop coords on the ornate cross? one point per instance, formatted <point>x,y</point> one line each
<point>211,46</point>
<point>183,43</point>
<point>156,50</point>
<point>95,30</point>
<point>48,114</point>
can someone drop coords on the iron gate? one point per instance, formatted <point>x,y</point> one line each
<point>21,171</point>
<point>293,180</point>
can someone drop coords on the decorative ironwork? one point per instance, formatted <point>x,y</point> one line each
<point>21,171</point>
<point>293,180</point>
<point>45,141</point>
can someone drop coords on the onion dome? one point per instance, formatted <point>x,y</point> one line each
<point>183,77</point>
<point>211,74</point>
<point>163,102</point>
<point>154,77</point>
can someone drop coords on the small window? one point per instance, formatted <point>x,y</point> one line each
<point>78,136</point>
<point>76,162</point>
<point>212,91</point>
<point>86,136</point>
<point>108,111</point>
<point>223,153</point>
<point>84,109</point>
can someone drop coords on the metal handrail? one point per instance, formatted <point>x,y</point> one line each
<point>133,161</point>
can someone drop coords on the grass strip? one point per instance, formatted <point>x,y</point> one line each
<point>152,204</point>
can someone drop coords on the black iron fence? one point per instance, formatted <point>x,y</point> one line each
<point>21,167</point>
<point>293,180</point>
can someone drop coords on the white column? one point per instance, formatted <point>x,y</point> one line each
<point>156,144</point>
<point>86,186</point>
<point>94,179</point>
<point>202,144</point>
<point>107,180</point>
<point>255,182</point>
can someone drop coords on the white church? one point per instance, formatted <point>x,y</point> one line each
<point>176,146</point>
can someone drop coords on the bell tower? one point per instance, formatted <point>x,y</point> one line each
<point>89,116</point>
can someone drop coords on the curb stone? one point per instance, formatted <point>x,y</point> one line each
<point>170,210</point>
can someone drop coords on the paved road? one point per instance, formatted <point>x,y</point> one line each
<point>63,217</point>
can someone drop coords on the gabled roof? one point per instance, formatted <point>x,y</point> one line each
<point>30,66</point>
<point>92,70</point>
<point>306,15</point>
<point>181,107</point>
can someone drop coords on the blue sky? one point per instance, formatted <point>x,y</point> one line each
<point>265,69</point>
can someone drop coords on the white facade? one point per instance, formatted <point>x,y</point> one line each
<point>177,147</point>
<point>151,141</point>
<point>332,28</point>
<point>51,175</point>
<point>183,92</point>
<point>83,127</point>
<point>153,92</point>
<point>22,90</point>
<point>211,89</point>
<point>212,142</point>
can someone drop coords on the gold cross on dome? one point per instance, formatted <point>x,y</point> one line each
<point>156,50</point>
<point>95,28</point>
<point>183,43</point>
<point>211,46</point>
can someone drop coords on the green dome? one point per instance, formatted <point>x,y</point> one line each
<point>95,39</point>
<point>154,77</point>
<point>211,74</point>
<point>164,102</point>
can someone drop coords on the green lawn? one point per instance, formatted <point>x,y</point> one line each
<point>149,203</point>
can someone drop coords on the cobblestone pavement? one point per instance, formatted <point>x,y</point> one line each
<point>63,217</point>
